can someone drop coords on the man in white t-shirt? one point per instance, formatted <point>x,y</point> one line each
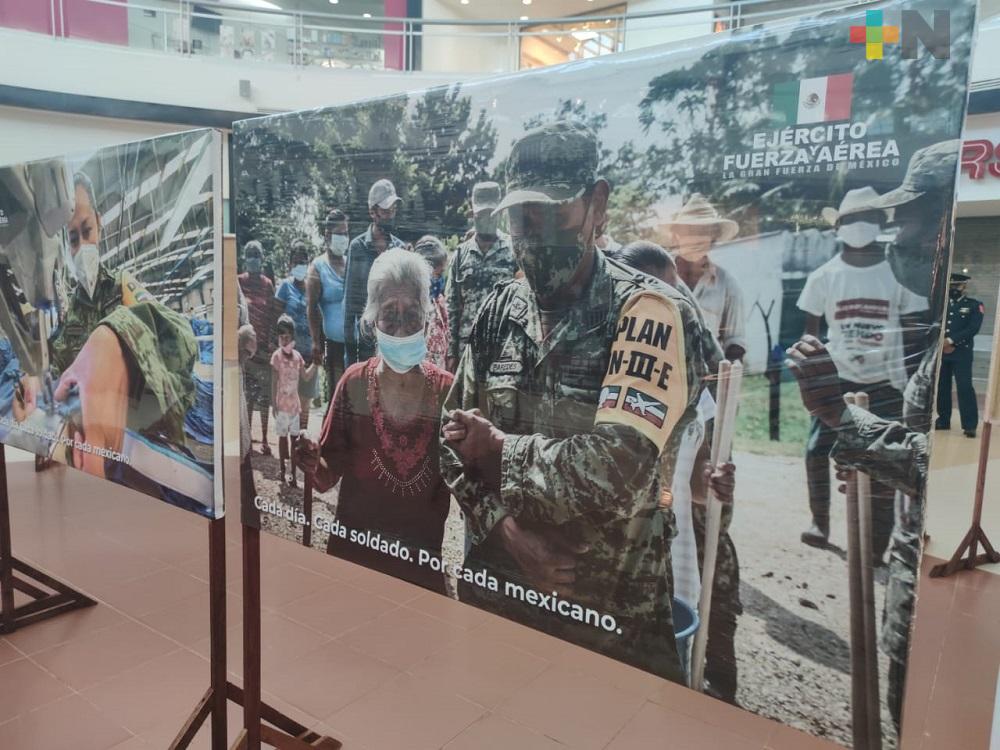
<point>870,319</point>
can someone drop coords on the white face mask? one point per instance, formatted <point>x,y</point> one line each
<point>86,265</point>
<point>338,245</point>
<point>402,353</point>
<point>859,233</point>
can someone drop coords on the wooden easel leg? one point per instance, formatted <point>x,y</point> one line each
<point>251,637</point>
<point>966,557</point>
<point>50,596</point>
<point>217,648</point>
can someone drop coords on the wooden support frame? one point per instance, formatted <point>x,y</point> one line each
<point>262,723</point>
<point>966,557</point>
<point>50,596</point>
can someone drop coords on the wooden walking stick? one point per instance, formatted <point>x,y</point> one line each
<point>872,700</point>
<point>728,396</point>
<point>866,728</point>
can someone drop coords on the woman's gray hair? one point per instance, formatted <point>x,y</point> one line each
<point>431,249</point>
<point>396,267</point>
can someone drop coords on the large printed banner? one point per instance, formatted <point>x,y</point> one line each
<point>107,269</point>
<point>482,326</point>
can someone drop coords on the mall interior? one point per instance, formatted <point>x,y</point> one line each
<point>181,636</point>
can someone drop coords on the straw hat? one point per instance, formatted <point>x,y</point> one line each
<point>698,212</point>
<point>854,202</point>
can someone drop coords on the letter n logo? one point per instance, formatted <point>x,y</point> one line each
<point>936,38</point>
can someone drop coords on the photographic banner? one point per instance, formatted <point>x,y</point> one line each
<point>487,322</point>
<point>107,316</point>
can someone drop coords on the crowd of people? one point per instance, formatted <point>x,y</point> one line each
<point>559,387</point>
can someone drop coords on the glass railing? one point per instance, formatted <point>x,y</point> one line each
<point>354,34</point>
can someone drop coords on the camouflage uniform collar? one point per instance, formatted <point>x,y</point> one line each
<point>502,242</point>
<point>587,313</point>
<point>105,281</point>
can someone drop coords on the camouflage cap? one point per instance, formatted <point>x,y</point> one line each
<point>383,194</point>
<point>485,195</point>
<point>931,168</point>
<point>551,164</point>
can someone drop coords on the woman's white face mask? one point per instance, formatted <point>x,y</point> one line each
<point>86,265</point>
<point>859,233</point>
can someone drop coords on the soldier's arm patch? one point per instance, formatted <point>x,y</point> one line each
<point>645,386</point>
<point>133,292</point>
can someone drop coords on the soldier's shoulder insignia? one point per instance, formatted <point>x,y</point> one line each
<point>518,309</point>
<point>132,291</point>
<point>645,386</point>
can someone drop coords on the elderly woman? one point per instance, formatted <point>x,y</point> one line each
<point>432,250</point>
<point>380,435</point>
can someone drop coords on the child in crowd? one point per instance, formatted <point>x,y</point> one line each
<point>288,367</point>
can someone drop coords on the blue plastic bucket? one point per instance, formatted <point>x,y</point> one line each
<point>685,626</point>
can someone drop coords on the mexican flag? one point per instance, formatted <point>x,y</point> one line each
<point>814,100</point>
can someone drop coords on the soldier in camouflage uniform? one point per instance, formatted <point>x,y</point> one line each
<point>479,264</point>
<point>129,357</point>
<point>576,382</point>
<point>894,452</point>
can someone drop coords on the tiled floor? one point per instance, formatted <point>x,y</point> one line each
<point>383,665</point>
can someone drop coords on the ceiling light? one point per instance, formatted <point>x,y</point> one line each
<point>260,4</point>
<point>524,18</point>
<point>465,2</point>
<point>525,2</point>
<point>367,15</point>
<point>334,2</point>
<point>583,36</point>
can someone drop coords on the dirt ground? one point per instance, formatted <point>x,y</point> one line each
<point>793,638</point>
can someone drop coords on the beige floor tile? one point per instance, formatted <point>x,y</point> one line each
<point>134,743</point>
<point>382,585</point>
<point>285,583</point>
<point>449,610</point>
<point>533,641</point>
<point>326,680</point>
<point>67,724</point>
<point>707,710</point>
<point>100,655</point>
<point>611,671</point>
<point>8,653</point>
<point>401,637</point>
<point>572,708</point>
<point>494,732</point>
<point>406,713</point>
<point>656,726</point>
<point>484,673</point>
<point>785,738</point>
<point>187,621</point>
<point>64,628</point>
<point>143,595</point>
<point>166,688</point>
<point>337,609</point>
<point>25,686</point>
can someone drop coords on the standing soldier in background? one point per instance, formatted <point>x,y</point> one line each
<point>575,384</point>
<point>382,206</point>
<point>695,229</point>
<point>480,262</point>
<point>965,317</point>
<point>895,452</point>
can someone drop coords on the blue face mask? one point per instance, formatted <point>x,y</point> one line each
<point>437,286</point>
<point>299,272</point>
<point>402,353</point>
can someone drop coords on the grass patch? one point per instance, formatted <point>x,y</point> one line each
<point>752,431</point>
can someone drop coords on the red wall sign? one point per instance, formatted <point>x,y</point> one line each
<point>980,158</point>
